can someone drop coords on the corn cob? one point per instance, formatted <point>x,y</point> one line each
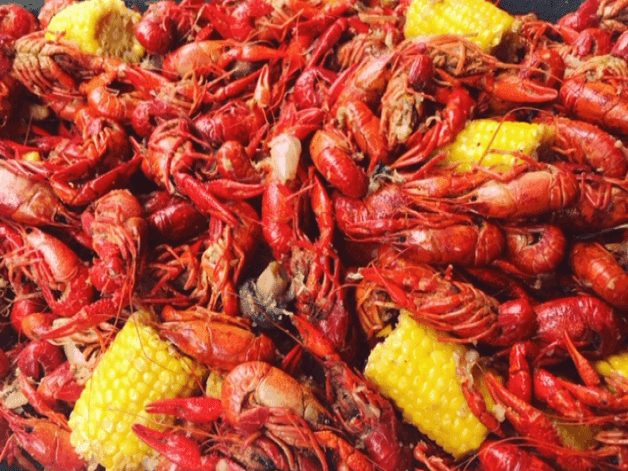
<point>418,372</point>
<point>482,21</point>
<point>617,364</point>
<point>102,27</point>
<point>137,368</point>
<point>472,143</point>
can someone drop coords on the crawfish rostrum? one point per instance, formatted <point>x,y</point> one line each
<point>275,183</point>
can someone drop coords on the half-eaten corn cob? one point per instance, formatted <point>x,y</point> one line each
<point>418,372</point>
<point>138,368</point>
<point>480,20</point>
<point>102,27</point>
<point>496,144</point>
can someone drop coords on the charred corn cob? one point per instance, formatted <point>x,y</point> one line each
<point>418,372</point>
<point>137,368</point>
<point>493,143</point>
<point>102,27</point>
<point>482,21</point>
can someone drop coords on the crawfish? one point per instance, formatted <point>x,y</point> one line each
<point>86,167</point>
<point>596,102</point>
<point>472,315</point>
<point>54,267</point>
<point>27,198</point>
<point>164,24</point>
<point>257,453</point>
<point>361,410</point>
<point>229,250</point>
<point>118,233</point>
<point>584,143</point>
<point>601,203</point>
<point>55,69</point>
<point>46,442</point>
<point>597,269</point>
<point>531,193</point>
<point>209,56</point>
<point>333,156</point>
<point>313,265</point>
<point>389,216</point>
<point>216,340</point>
<point>174,218</point>
<point>171,154</point>
<point>535,249</point>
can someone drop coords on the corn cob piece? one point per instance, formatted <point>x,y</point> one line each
<point>102,27</point>
<point>418,373</point>
<point>482,135</point>
<point>482,21</point>
<point>137,368</point>
<point>617,363</point>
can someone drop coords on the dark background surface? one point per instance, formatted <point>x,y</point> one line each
<point>549,10</point>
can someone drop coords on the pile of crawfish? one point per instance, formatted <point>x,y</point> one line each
<point>270,182</point>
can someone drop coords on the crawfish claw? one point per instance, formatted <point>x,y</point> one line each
<point>199,410</point>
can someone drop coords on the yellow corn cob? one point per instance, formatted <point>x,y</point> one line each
<point>137,368</point>
<point>103,27</point>
<point>617,363</point>
<point>418,373</point>
<point>480,135</point>
<point>482,21</point>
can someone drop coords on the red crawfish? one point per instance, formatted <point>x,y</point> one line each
<point>536,426</point>
<point>598,269</point>
<point>219,341</point>
<point>599,400</point>
<point>530,193</point>
<point>363,412</point>
<point>259,398</point>
<point>208,268</point>
<point>459,108</point>
<point>314,267</point>
<point>118,234</point>
<point>164,24</point>
<point>584,17</point>
<point>225,451</point>
<point>27,198</point>
<point>174,150</point>
<point>535,249</point>
<point>38,65</point>
<point>601,203</point>
<point>404,100</point>
<point>389,216</point>
<point>174,218</point>
<point>229,250</point>
<point>495,455</point>
<point>46,442</point>
<point>459,308</point>
<point>53,266</point>
<point>597,102</point>
<point>584,143</point>
<point>97,160</point>
<point>333,155</point>
<point>16,21</point>
<point>215,56</point>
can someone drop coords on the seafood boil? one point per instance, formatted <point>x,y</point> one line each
<point>361,235</point>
